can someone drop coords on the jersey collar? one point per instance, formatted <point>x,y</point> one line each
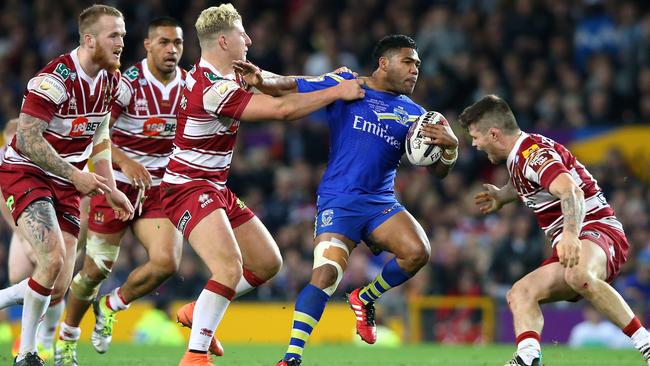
<point>515,149</point>
<point>164,89</point>
<point>207,65</point>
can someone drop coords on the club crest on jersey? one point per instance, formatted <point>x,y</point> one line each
<point>141,105</point>
<point>402,115</point>
<point>72,104</point>
<point>73,76</point>
<point>142,81</point>
<point>526,153</point>
<point>205,200</point>
<point>326,217</point>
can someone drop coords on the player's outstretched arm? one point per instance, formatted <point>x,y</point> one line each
<point>264,81</point>
<point>493,198</point>
<point>572,201</point>
<point>294,106</point>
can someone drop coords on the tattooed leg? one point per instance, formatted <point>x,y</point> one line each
<point>41,228</point>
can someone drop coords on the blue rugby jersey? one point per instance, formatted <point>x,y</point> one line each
<point>366,139</point>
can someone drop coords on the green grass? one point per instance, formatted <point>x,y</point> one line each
<point>421,355</point>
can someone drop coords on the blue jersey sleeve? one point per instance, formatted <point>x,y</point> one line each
<point>322,82</point>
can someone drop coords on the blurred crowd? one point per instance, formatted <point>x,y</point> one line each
<point>560,64</point>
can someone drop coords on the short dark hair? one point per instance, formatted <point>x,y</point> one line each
<point>392,43</point>
<point>489,111</point>
<point>163,21</point>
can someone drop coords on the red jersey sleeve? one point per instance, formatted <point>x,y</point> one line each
<point>45,93</point>
<point>543,166</point>
<point>226,98</point>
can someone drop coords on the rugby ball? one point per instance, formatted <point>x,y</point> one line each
<point>417,151</point>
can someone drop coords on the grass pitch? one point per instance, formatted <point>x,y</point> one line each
<point>329,355</point>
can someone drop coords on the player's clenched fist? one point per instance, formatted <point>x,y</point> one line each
<point>351,89</point>
<point>89,184</point>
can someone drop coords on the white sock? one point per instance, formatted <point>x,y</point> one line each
<point>116,302</point>
<point>243,287</point>
<point>208,312</point>
<point>13,295</point>
<point>34,308</point>
<point>529,349</point>
<point>45,335</point>
<point>69,333</point>
<point>641,339</point>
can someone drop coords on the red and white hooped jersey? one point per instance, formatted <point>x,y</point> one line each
<point>534,162</point>
<point>73,104</point>
<point>146,119</point>
<point>208,120</point>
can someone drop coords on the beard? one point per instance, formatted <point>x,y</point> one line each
<point>101,58</point>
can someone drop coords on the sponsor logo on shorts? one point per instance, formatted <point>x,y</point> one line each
<point>74,220</point>
<point>205,200</point>
<point>241,204</point>
<point>326,217</point>
<point>98,217</point>
<point>182,223</point>
<point>394,206</point>
<point>595,234</point>
<point>10,203</point>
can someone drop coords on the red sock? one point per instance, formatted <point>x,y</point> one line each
<point>630,329</point>
<point>528,334</point>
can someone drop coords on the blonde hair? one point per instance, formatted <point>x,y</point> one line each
<point>91,15</point>
<point>215,20</point>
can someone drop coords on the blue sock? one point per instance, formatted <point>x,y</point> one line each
<point>391,275</point>
<point>310,305</point>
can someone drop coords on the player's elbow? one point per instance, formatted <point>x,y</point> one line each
<point>285,111</point>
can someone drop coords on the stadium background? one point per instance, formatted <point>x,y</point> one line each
<point>578,71</point>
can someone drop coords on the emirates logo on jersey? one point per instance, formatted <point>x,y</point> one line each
<point>78,126</point>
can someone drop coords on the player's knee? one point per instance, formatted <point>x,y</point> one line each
<point>165,267</point>
<point>233,272</point>
<point>324,277</point>
<point>103,255</point>
<point>517,294</point>
<point>579,279</point>
<point>272,266</point>
<point>330,261</point>
<point>416,257</point>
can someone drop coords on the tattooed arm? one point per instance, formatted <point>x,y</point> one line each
<point>30,141</point>
<point>572,201</point>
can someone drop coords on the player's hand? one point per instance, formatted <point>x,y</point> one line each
<point>350,89</point>
<point>568,250</point>
<point>137,173</point>
<point>121,205</point>
<point>439,134</point>
<point>488,201</point>
<point>344,69</point>
<point>89,184</point>
<point>251,74</point>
